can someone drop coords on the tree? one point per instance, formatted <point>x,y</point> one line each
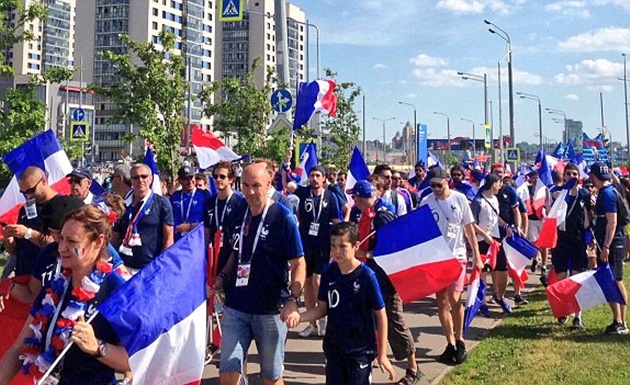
<point>241,108</point>
<point>151,93</point>
<point>343,129</point>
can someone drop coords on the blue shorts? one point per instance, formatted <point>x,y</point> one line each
<point>239,329</point>
<point>347,369</point>
<point>569,256</point>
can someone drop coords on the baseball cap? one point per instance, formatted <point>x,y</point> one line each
<point>489,180</point>
<point>601,170</point>
<point>185,172</point>
<point>437,173</point>
<point>362,189</point>
<point>81,173</point>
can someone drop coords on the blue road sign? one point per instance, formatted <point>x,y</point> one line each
<point>231,10</point>
<point>79,131</point>
<point>281,100</point>
<point>513,154</point>
<point>78,114</point>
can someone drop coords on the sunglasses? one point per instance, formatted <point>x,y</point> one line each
<point>220,176</point>
<point>31,191</point>
<point>75,181</point>
<point>142,176</point>
<point>436,185</point>
<point>456,175</point>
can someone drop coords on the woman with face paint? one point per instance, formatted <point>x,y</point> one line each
<point>60,311</point>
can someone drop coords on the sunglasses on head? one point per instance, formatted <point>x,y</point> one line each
<point>31,191</point>
<point>220,176</point>
<point>142,176</point>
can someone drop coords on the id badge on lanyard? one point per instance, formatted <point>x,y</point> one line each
<point>313,229</point>
<point>451,232</point>
<point>242,274</point>
<point>243,270</point>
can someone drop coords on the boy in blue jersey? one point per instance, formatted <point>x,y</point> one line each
<point>349,294</point>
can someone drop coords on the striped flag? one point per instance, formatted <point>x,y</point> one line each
<point>474,297</point>
<point>519,253</point>
<point>149,160</point>
<point>209,148</point>
<point>556,218</point>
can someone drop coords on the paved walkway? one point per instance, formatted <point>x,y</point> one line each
<point>304,361</point>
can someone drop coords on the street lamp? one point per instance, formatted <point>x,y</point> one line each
<point>625,94</point>
<point>384,134</point>
<point>189,48</point>
<point>473,134</point>
<point>448,128</point>
<point>504,35</point>
<point>483,79</point>
<point>565,134</point>
<point>524,95</point>
<point>414,131</point>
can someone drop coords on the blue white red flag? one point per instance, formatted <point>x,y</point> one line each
<point>583,291</point>
<point>357,170</point>
<point>160,315</point>
<point>43,151</point>
<point>149,160</point>
<point>409,257</point>
<point>318,95</point>
<point>433,160</point>
<point>560,151</point>
<point>519,253</point>
<point>555,218</point>
<point>210,149</point>
<point>474,297</point>
<point>308,160</point>
<point>570,152</point>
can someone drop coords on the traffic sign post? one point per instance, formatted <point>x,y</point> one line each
<point>487,137</point>
<point>281,100</point>
<point>78,114</point>
<point>231,10</point>
<point>79,131</point>
<point>513,154</point>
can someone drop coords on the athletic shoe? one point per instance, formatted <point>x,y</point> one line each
<point>211,350</point>
<point>308,331</point>
<point>484,311</point>
<point>520,300</point>
<point>460,352</point>
<point>543,279</point>
<point>321,327</point>
<point>617,328</point>
<point>504,305</point>
<point>534,263</point>
<point>411,377</point>
<point>577,324</point>
<point>563,320</point>
<point>448,357</point>
<point>493,299</point>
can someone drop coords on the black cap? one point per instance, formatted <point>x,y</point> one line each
<point>81,173</point>
<point>54,211</point>
<point>601,171</point>
<point>185,172</point>
<point>437,173</point>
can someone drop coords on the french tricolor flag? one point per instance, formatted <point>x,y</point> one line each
<point>149,160</point>
<point>519,253</point>
<point>419,263</point>
<point>474,297</point>
<point>308,160</point>
<point>43,151</point>
<point>160,315</point>
<point>357,171</point>
<point>316,96</point>
<point>556,218</point>
<point>583,291</point>
<point>210,149</point>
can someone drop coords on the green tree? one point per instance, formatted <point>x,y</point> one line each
<point>343,129</point>
<point>150,93</point>
<point>240,108</point>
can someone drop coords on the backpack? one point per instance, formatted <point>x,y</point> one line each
<point>622,209</point>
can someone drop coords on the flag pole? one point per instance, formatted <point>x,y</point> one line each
<point>52,367</point>
<point>367,237</point>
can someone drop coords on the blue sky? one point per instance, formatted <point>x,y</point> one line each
<point>565,52</point>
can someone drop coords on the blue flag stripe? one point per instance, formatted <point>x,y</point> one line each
<point>33,152</point>
<point>522,245</point>
<point>606,281</point>
<point>400,234</point>
<point>358,167</point>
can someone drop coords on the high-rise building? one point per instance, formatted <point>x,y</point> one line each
<point>255,37</point>
<point>574,133</point>
<point>103,21</point>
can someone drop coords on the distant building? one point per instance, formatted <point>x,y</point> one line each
<point>574,133</point>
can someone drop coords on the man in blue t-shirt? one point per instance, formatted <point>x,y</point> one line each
<point>146,228</point>
<point>188,203</point>
<point>260,301</point>
<point>610,238</point>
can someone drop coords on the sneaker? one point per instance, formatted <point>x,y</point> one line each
<point>484,311</point>
<point>519,300</point>
<point>321,327</point>
<point>308,331</point>
<point>460,352</point>
<point>543,279</point>
<point>543,270</point>
<point>577,324</point>
<point>411,377</point>
<point>493,299</point>
<point>534,264</point>
<point>211,350</point>
<point>504,305</point>
<point>448,357</point>
<point>617,328</point>
<point>563,320</point>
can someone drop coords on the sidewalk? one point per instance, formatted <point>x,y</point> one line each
<point>304,360</point>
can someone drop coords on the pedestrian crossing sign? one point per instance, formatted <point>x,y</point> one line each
<point>79,131</point>
<point>513,154</point>
<point>231,10</point>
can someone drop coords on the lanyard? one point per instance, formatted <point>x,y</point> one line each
<point>260,226</point>
<point>321,203</point>
<point>53,320</point>
<point>140,213</point>
<point>181,206</point>
<point>216,210</point>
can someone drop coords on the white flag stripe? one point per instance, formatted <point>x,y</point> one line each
<point>406,259</point>
<point>590,294</point>
<point>516,260</point>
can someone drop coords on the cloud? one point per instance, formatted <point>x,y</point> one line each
<point>572,97</point>
<point>476,6</point>
<point>569,8</point>
<point>411,96</point>
<point>423,60</point>
<point>625,4</point>
<point>604,39</point>
<point>598,74</point>
<point>433,77</point>
<point>379,66</point>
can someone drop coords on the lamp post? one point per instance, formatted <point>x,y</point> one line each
<point>384,134</point>
<point>504,35</point>
<point>565,134</point>
<point>189,48</point>
<point>448,128</point>
<point>524,95</point>
<point>473,134</point>
<point>414,131</point>
<point>625,94</point>
<point>483,79</point>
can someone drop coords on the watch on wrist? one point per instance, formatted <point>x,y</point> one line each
<point>28,233</point>
<point>294,298</point>
<point>101,351</point>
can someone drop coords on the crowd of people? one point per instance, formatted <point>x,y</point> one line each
<point>276,242</point>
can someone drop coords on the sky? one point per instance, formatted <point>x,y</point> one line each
<point>565,52</point>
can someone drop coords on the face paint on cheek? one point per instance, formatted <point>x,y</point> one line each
<point>79,252</point>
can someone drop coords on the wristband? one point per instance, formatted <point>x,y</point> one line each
<point>293,299</point>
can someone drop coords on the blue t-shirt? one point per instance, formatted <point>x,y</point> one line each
<point>508,200</point>
<point>606,203</point>
<point>151,230</point>
<point>310,213</point>
<point>352,299</point>
<point>188,207</point>
<point>215,214</point>
<point>279,242</point>
<point>573,233</point>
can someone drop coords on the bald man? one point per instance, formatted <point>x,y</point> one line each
<point>258,305</point>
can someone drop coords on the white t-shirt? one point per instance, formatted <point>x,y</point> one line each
<point>451,215</point>
<point>401,207</point>
<point>486,213</point>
